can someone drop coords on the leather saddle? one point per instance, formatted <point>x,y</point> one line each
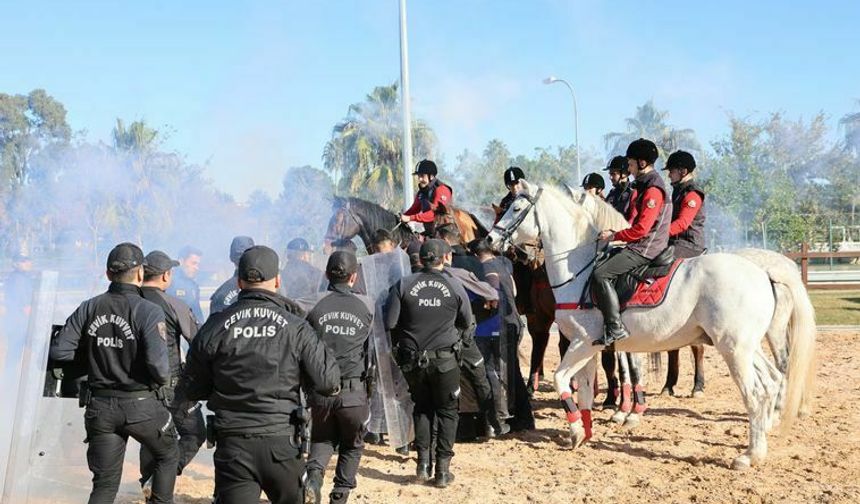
<point>660,266</point>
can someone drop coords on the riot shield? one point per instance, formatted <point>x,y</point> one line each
<point>379,272</point>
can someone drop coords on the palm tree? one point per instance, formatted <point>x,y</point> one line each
<point>365,152</point>
<point>650,122</point>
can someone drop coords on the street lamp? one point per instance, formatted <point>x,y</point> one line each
<point>552,80</point>
<point>406,107</point>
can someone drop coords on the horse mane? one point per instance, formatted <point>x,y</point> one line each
<point>372,215</point>
<point>601,215</point>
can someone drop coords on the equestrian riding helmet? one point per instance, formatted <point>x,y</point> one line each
<point>618,164</point>
<point>425,167</point>
<point>681,159</point>
<point>593,180</point>
<point>644,150</point>
<point>513,174</point>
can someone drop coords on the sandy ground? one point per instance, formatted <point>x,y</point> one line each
<point>680,453</point>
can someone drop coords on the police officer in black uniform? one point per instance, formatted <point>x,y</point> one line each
<point>343,320</point>
<point>180,323</point>
<point>249,361</point>
<point>621,192</point>
<point>426,314</point>
<point>300,277</point>
<point>226,294</point>
<point>122,337</point>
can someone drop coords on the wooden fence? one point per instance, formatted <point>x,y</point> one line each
<point>805,255</point>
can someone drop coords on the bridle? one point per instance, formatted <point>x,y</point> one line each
<point>362,229</point>
<point>508,231</point>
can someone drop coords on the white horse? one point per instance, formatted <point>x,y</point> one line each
<point>720,299</point>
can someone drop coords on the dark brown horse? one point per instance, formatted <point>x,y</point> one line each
<point>357,217</point>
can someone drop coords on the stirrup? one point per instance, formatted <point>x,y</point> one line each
<point>610,337</point>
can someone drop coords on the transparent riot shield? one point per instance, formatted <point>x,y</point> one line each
<point>378,273</point>
<point>303,278</point>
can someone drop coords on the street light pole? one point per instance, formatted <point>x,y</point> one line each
<point>405,104</point>
<point>552,80</point>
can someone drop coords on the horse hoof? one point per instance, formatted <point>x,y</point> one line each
<point>632,421</point>
<point>577,435</point>
<point>618,417</point>
<point>742,463</point>
<point>667,391</point>
<point>698,394</point>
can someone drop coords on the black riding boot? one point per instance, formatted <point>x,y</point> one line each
<point>607,301</point>
<point>443,475</point>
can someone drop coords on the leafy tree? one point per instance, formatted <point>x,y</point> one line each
<point>365,152</point>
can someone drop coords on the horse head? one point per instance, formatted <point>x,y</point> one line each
<point>343,224</point>
<point>519,224</point>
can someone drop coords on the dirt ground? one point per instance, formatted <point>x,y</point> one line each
<point>680,453</point>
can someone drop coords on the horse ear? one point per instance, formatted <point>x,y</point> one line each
<point>496,209</point>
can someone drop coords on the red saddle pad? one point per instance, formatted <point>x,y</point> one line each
<point>652,291</point>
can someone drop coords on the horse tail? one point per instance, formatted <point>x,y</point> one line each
<point>800,372</point>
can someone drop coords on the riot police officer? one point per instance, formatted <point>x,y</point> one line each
<point>122,337</point>
<point>180,324</point>
<point>426,313</point>
<point>621,192</point>
<point>184,286</point>
<point>227,293</point>
<point>249,362</point>
<point>343,320</point>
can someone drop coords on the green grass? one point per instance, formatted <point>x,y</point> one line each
<point>836,307</point>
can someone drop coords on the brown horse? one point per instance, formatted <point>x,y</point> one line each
<point>357,217</point>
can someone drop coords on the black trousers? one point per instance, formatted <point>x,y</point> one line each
<point>192,433</point>
<point>491,349</point>
<point>474,371</point>
<point>248,465</point>
<point>435,390</point>
<point>109,423</point>
<point>339,423</point>
<point>603,282</point>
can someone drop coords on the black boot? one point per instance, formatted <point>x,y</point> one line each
<point>422,471</point>
<point>339,496</point>
<point>443,475</point>
<point>313,488</point>
<point>607,301</point>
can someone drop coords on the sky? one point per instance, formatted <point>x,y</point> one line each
<point>248,89</point>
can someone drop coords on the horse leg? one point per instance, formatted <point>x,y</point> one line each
<point>626,389</point>
<point>639,405</point>
<point>749,370</point>
<point>671,374</point>
<point>540,338</point>
<point>699,365</point>
<point>607,360</point>
<point>578,356</point>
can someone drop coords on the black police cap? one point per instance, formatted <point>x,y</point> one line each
<point>618,163</point>
<point>298,244</point>
<point>238,246</point>
<point>124,257</point>
<point>514,174</point>
<point>341,264</point>
<point>433,250</point>
<point>258,264</point>
<point>643,149</point>
<point>593,180</point>
<point>426,167</point>
<point>680,159</point>
<point>158,262</point>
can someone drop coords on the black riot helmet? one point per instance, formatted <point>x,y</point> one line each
<point>513,175</point>
<point>643,150</point>
<point>618,164</point>
<point>426,167</point>
<point>681,159</point>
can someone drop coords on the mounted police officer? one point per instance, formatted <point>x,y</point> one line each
<point>431,193</point>
<point>687,230</point>
<point>647,237</point>
<point>687,234</point>
<point>593,183</point>
<point>184,286</point>
<point>180,324</point>
<point>300,277</point>
<point>226,294</point>
<point>512,177</point>
<point>249,361</point>
<point>426,313</point>
<point>122,337</point>
<point>621,192</point>
<point>343,320</point>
